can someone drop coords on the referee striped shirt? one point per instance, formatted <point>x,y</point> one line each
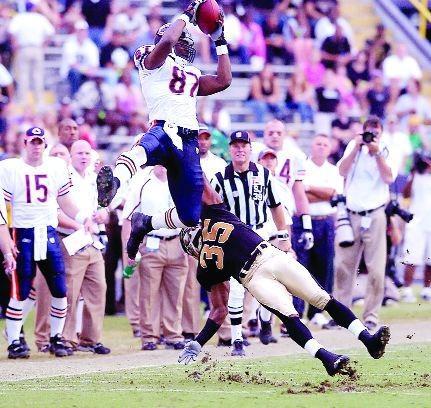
<point>249,194</point>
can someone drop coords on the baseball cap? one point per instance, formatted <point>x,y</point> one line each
<point>265,152</point>
<point>203,129</point>
<point>35,133</point>
<point>240,136</point>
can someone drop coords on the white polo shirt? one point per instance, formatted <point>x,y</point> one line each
<point>326,175</point>
<point>212,164</point>
<point>364,187</point>
<point>149,195</point>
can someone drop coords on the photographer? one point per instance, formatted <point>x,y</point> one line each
<point>417,242</point>
<point>368,169</point>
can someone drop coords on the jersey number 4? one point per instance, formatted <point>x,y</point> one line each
<point>40,187</point>
<point>218,233</point>
<point>179,81</point>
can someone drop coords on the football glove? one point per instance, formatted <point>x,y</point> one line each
<point>306,240</point>
<point>218,35</point>
<point>190,352</point>
<point>191,10</point>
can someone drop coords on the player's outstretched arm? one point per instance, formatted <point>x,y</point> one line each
<point>156,58</point>
<point>211,84</point>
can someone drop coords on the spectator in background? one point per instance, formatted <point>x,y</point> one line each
<point>233,33</point>
<point>300,96</point>
<point>298,31</point>
<point>357,68</point>
<point>340,126</point>
<point>265,94</point>
<point>328,96</point>
<point>378,48</point>
<point>5,46</point>
<point>115,54</point>
<point>6,93</point>
<point>276,44</point>
<point>401,66</point>
<point>80,57</point>
<point>253,40</point>
<point>378,96</point>
<point>412,103</point>
<point>336,49</point>
<point>96,13</point>
<point>313,68</point>
<point>29,31</point>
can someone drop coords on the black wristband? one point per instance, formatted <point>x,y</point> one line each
<point>207,332</point>
<point>220,41</point>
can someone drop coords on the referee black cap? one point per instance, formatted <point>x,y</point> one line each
<point>240,136</point>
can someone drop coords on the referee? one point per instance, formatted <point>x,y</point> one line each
<point>247,190</point>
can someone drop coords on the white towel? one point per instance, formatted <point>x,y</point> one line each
<point>40,242</point>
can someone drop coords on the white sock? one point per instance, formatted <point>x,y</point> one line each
<point>312,346</point>
<point>58,315</point>
<point>265,314</point>
<point>28,305</point>
<point>356,327</point>
<point>13,319</point>
<point>79,311</point>
<point>168,219</point>
<point>128,163</point>
<point>236,331</point>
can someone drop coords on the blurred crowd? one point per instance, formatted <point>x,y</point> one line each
<point>333,85</point>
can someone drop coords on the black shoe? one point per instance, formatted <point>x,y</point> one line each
<point>149,346</point>
<point>23,342</point>
<point>140,226</point>
<point>331,325</point>
<point>336,364</point>
<point>16,350</point>
<point>265,334</point>
<point>238,349</point>
<point>107,186</point>
<point>99,348</point>
<point>57,346</point>
<point>253,328</point>
<point>179,345</point>
<point>224,343</point>
<point>377,343</point>
<point>137,333</point>
<point>245,342</point>
<point>44,349</point>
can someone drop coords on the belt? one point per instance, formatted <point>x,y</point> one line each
<point>250,261</point>
<point>320,217</point>
<point>365,212</point>
<point>182,131</point>
<point>163,238</point>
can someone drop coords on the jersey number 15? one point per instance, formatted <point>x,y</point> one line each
<point>40,187</point>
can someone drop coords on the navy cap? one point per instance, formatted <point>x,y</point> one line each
<point>240,136</point>
<point>35,132</point>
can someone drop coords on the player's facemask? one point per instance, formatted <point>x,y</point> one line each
<point>191,240</point>
<point>184,48</point>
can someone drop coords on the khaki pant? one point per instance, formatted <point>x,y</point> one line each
<point>85,275</point>
<point>372,244</point>
<point>28,70</point>
<point>191,320</point>
<point>163,275</point>
<point>275,276</point>
<point>132,288</point>
<point>43,309</point>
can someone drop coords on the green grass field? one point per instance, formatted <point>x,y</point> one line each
<point>401,379</point>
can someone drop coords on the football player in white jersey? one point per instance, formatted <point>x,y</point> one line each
<point>7,246</point>
<point>35,187</point>
<point>170,86</point>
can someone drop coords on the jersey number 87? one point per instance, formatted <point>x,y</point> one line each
<point>179,81</point>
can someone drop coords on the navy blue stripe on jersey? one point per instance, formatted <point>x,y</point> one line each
<point>219,188</point>
<point>246,187</point>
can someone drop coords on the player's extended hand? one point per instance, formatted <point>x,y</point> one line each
<point>9,264</point>
<point>191,10</point>
<point>190,352</point>
<point>306,240</point>
<point>218,35</point>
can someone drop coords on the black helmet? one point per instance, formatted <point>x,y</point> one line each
<point>184,48</point>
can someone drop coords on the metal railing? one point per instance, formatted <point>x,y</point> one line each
<point>424,15</point>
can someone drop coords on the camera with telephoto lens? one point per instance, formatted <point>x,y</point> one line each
<point>421,161</point>
<point>368,137</point>
<point>393,208</point>
<point>343,226</point>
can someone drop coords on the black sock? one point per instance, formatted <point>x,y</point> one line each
<point>207,332</point>
<point>365,336</point>
<point>323,355</point>
<point>341,314</point>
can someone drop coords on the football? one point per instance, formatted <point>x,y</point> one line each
<point>207,16</point>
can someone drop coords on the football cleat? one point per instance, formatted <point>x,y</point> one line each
<point>336,364</point>
<point>238,349</point>
<point>16,350</point>
<point>178,345</point>
<point>57,346</point>
<point>149,346</point>
<point>253,328</point>
<point>377,343</point>
<point>107,186</point>
<point>99,348</point>
<point>265,334</point>
<point>140,226</point>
